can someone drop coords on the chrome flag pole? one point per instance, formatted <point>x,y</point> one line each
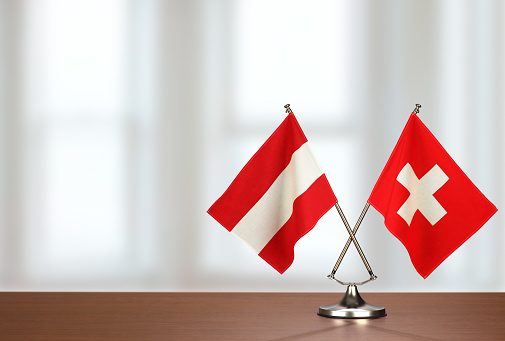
<point>352,233</point>
<point>352,238</point>
<point>348,243</point>
<point>416,110</point>
<point>352,305</point>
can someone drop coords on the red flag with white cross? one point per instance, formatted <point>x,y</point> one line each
<point>427,201</point>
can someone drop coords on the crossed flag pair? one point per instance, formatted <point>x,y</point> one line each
<point>427,201</point>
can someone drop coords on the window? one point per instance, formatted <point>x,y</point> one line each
<point>86,128</point>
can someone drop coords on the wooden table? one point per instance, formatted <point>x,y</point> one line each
<point>246,316</point>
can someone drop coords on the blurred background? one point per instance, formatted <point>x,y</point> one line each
<point>122,121</point>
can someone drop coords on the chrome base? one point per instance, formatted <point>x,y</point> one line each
<point>352,306</point>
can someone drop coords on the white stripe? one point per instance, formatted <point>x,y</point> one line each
<point>275,207</point>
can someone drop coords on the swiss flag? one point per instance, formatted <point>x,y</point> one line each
<point>278,197</point>
<point>427,201</point>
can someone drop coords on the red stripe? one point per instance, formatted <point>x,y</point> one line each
<point>308,208</point>
<point>258,174</point>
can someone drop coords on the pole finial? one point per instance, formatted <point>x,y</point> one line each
<point>416,110</point>
<point>288,109</point>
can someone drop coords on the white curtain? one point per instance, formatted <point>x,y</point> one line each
<point>122,121</point>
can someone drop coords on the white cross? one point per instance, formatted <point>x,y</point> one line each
<point>421,194</point>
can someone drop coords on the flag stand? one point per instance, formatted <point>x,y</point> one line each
<point>352,305</point>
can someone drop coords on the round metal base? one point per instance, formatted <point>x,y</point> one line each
<point>352,306</point>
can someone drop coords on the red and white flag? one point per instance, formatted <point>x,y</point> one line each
<point>427,201</point>
<point>278,197</point>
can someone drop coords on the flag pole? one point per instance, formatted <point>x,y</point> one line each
<point>416,110</point>
<point>352,305</point>
<point>352,233</point>
<point>346,247</point>
<point>353,239</point>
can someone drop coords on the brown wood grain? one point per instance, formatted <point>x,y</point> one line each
<point>245,316</point>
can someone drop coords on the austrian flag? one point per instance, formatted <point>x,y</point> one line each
<point>427,201</point>
<point>278,197</point>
